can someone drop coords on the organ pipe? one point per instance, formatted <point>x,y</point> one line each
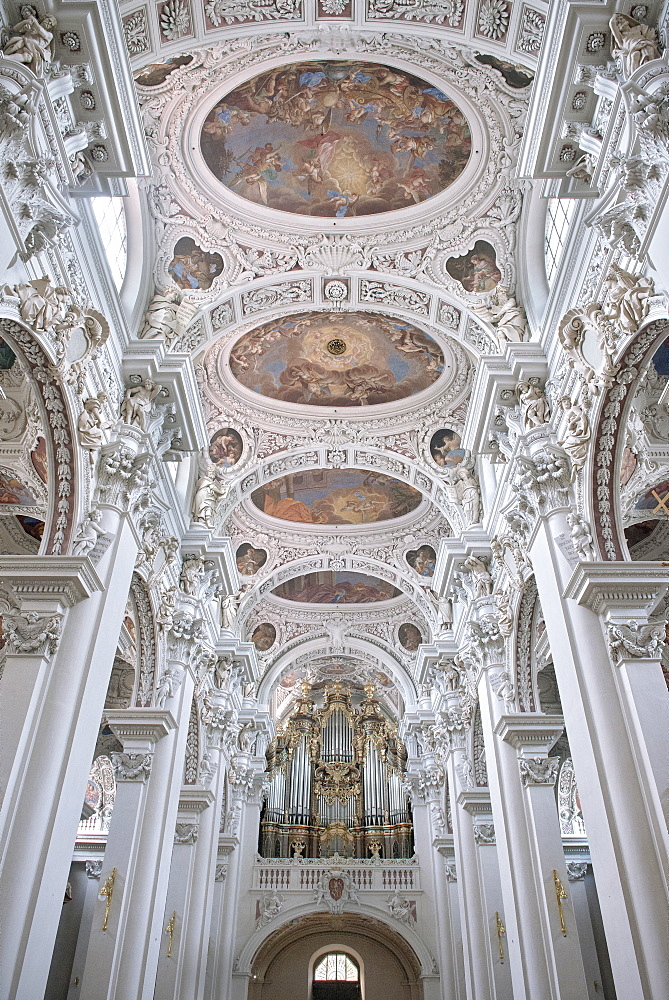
<point>336,781</point>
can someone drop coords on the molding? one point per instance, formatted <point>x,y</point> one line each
<point>195,800</point>
<point>65,580</point>
<point>530,731</point>
<point>630,588</point>
<point>147,725</point>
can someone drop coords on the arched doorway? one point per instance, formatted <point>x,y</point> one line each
<point>337,975</point>
<point>287,961</point>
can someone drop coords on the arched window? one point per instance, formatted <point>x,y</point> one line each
<point>336,977</point>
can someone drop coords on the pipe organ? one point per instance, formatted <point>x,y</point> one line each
<point>336,782</point>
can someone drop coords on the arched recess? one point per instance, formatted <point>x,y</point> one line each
<point>367,458</point>
<point>359,564</point>
<point>67,475</point>
<point>395,671</point>
<point>603,486</point>
<point>365,931</point>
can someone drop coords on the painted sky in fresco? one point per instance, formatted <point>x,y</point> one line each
<point>335,359</point>
<point>336,496</point>
<point>336,139</point>
<point>342,587</point>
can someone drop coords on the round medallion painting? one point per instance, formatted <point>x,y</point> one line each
<point>335,359</point>
<point>410,637</point>
<point>264,636</point>
<point>336,139</point>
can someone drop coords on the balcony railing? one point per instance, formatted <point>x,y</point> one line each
<point>304,874</point>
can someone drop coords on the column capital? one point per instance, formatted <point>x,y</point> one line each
<point>618,590</point>
<point>531,733</point>
<point>538,770</point>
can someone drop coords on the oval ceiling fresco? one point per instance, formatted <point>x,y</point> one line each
<point>336,496</point>
<point>337,359</point>
<point>342,587</point>
<point>336,139</point>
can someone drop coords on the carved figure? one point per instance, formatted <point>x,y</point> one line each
<point>229,610</point>
<point>209,491</point>
<point>583,169</point>
<point>88,533</point>
<point>138,403</point>
<point>581,535</point>
<point>467,488</point>
<point>635,43</point>
<point>41,307</point>
<point>481,578</point>
<point>91,425</point>
<point>445,613</point>
<point>160,319</point>
<point>192,572</point>
<point>505,618</point>
<point>509,318</point>
<point>533,404</point>
<point>502,685</point>
<point>450,676</point>
<point>168,685</point>
<point>400,908</point>
<point>31,43</point>
<point>627,298</point>
<point>577,434</point>
<point>271,906</point>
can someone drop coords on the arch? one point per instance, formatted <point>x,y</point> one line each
<point>602,488</point>
<point>59,427</point>
<point>339,948</point>
<point>399,675</point>
<point>366,922</point>
<point>319,563</point>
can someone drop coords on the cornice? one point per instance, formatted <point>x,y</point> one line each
<point>64,579</point>
<point>607,587</point>
<point>530,731</point>
<point>195,800</point>
<point>140,724</point>
<point>476,801</point>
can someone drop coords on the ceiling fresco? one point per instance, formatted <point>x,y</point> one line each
<point>336,496</point>
<point>336,139</point>
<point>335,359</point>
<point>341,587</point>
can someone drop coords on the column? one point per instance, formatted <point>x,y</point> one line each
<point>431,781</point>
<point>59,658</point>
<point>476,801</point>
<point>127,853</point>
<point>477,955</point>
<point>626,829</point>
<point>186,895</point>
<point>532,735</point>
<point>142,843</point>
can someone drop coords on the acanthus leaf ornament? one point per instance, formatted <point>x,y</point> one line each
<point>635,640</point>
<point>186,834</point>
<point>30,632</point>
<point>538,770</point>
<point>484,833</point>
<point>132,766</point>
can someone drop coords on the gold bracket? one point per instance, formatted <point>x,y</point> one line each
<point>501,929</point>
<point>170,930</point>
<point>108,891</point>
<point>560,894</point>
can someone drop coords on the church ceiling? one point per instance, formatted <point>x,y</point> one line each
<point>334,210</point>
<point>337,359</point>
